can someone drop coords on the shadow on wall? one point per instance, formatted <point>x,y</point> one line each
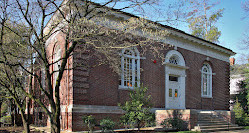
<point>175,121</point>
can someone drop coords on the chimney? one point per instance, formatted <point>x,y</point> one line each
<point>232,61</point>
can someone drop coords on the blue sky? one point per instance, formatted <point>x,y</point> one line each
<point>233,27</point>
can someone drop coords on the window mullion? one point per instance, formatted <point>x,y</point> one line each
<point>130,69</point>
<point>202,86</point>
<point>122,71</point>
<point>138,71</point>
<point>133,72</point>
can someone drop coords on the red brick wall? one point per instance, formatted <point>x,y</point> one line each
<point>91,84</point>
<point>99,85</point>
<point>66,88</point>
<point>189,117</point>
<point>78,124</point>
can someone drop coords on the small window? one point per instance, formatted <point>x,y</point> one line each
<point>173,60</point>
<point>173,78</point>
<point>176,92</point>
<point>40,115</point>
<point>170,92</point>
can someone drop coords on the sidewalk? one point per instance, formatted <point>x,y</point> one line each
<point>44,129</point>
<point>40,129</point>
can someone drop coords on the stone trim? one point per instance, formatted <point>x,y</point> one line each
<point>92,109</point>
<point>96,109</point>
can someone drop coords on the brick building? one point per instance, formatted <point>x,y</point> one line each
<point>194,76</point>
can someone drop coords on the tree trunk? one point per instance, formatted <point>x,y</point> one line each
<point>0,109</point>
<point>25,122</point>
<point>26,126</point>
<point>55,124</point>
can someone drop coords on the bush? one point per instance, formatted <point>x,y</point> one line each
<point>137,109</point>
<point>107,124</point>
<point>90,122</point>
<point>174,123</point>
<point>151,120</point>
<point>241,118</point>
<point>6,119</point>
<point>4,108</point>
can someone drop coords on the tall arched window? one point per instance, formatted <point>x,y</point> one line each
<point>57,63</point>
<point>130,68</point>
<point>206,80</point>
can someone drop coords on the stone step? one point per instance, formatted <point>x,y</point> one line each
<point>209,117</point>
<point>209,122</point>
<point>220,129</point>
<point>212,122</point>
<point>216,126</point>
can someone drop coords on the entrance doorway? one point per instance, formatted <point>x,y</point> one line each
<point>175,80</point>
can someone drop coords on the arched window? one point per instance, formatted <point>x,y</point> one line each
<point>174,57</point>
<point>206,80</point>
<point>57,63</point>
<point>173,60</point>
<point>130,68</point>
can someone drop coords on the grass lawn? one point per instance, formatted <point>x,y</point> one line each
<point>186,132</point>
<point>246,127</point>
<point>181,132</point>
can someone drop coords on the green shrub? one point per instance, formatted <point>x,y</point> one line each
<point>6,119</point>
<point>89,121</point>
<point>175,123</point>
<point>107,124</point>
<point>137,109</point>
<point>150,120</point>
<point>241,118</point>
<point>4,108</point>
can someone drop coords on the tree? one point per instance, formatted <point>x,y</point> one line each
<point>137,110</point>
<point>107,125</point>
<point>241,99</point>
<point>83,24</point>
<point>240,116</point>
<point>90,122</point>
<point>12,79</point>
<point>245,41</point>
<point>245,6</point>
<point>13,51</point>
<point>202,20</point>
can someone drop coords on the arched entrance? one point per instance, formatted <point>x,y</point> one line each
<point>174,80</point>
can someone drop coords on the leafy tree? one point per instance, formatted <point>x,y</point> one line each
<point>90,122</point>
<point>202,20</point>
<point>242,97</point>
<point>11,82</point>
<point>107,125</point>
<point>137,109</point>
<point>79,24</point>
<point>240,116</point>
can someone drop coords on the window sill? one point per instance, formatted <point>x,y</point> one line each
<point>125,88</point>
<point>206,96</point>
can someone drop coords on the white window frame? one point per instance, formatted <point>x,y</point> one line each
<point>208,81</point>
<point>135,68</point>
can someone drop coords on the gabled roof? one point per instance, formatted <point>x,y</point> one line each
<point>229,51</point>
<point>174,31</point>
